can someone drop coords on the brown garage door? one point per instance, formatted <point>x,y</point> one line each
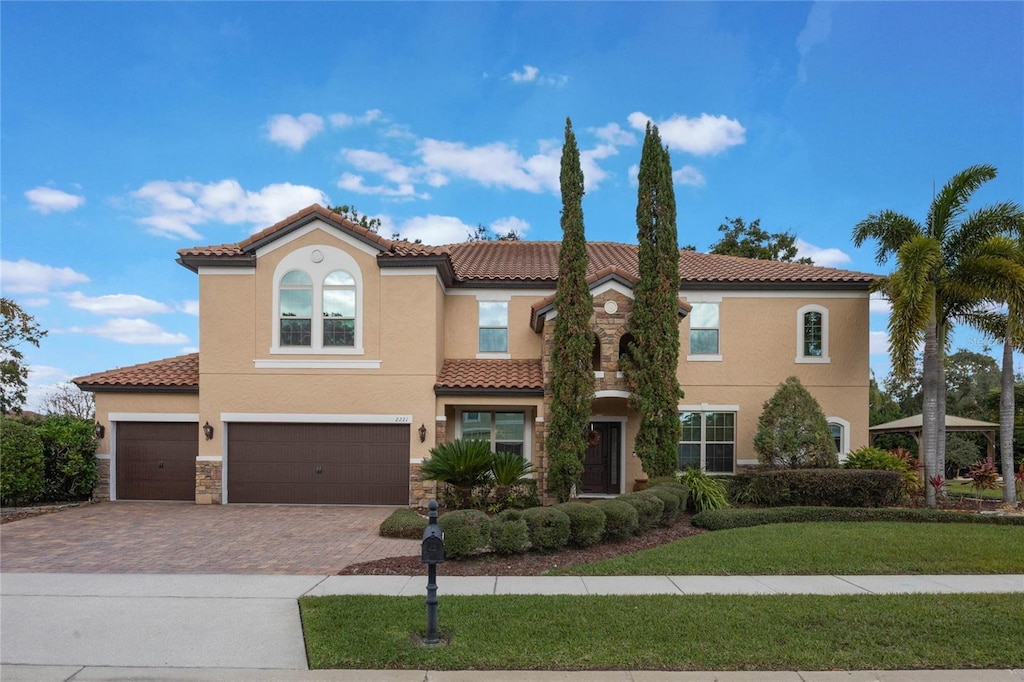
<point>156,460</point>
<point>318,463</point>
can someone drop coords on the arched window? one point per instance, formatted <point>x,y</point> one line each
<point>624,350</point>
<point>812,334</point>
<point>339,309</point>
<point>839,429</point>
<point>296,316</point>
<point>595,360</point>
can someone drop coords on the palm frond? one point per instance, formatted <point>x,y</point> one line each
<point>890,229</point>
<point>912,292</point>
<point>1004,218</point>
<point>953,197</point>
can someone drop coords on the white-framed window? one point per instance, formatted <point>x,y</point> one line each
<point>708,441</point>
<point>493,326</point>
<point>812,334</point>
<point>317,303</point>
<point>704,332</point>
<point>839,429</point>
<point>504,431</point>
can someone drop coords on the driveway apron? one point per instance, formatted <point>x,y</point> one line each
<point>180,537</point>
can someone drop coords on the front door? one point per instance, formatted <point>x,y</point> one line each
<point>601,462</point>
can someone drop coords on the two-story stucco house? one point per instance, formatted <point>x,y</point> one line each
<point>333,359</point>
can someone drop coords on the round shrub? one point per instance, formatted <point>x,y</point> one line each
<point>21,463</point>
<point>679,488</point>
<point>586,523</point>
<point>648,508</point>
<point>620,518</point>
<point>549,528</point>
<point>466,531</point>
<point>509,533</point>
<point>403,523</point>
<point>670,499</point>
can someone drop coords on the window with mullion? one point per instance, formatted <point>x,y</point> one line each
<point>504,431</point>
<point>812,335</point>
<point>493,326</point>
<point>339,297</point>
<point>296,309</point>
<point>708,441</point>
<point>704,329</point>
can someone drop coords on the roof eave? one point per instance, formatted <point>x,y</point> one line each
<point>108,388</point>
<point>506,392</point>
<point>193,263</point>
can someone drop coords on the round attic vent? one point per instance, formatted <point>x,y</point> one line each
<point>611,307</point>
<point>317,256</point>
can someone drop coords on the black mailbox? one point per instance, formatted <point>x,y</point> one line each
<point>433,539</point>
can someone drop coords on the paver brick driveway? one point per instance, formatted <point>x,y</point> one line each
<point>181,537</point>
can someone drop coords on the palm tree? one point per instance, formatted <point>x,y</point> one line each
<point>945,270</point>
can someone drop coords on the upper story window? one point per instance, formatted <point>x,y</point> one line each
<point>704,331</point>
<point>812,334</point>
<point>317,297</point>
<point>493,326</point>
<point>296,309</point>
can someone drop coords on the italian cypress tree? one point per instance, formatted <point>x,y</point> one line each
<point>572,379</point>
<point>650,367</point>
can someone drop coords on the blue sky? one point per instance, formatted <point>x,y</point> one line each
<point>130,130</point>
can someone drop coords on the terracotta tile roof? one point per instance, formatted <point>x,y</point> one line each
<point>177,373</point>
<point>490,375</point>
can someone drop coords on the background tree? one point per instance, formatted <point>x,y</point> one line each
<point>650,367</point>
<point>16,328</point>
<point>944,271</point>
<point>484,234</point>
<point>792,432</point>
<point>349,212</point>
<point>750,241</point>
<point>69,400</point>
<point>572,377</point>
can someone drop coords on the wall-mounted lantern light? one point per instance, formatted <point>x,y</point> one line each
<point>423,432</point>
<point>99,430</point>
<point>208,431</point>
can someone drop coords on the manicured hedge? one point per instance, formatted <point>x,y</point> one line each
<point>466,532</point>
<point>509,533</point>
<point>403,523</point>
<point>670,499</point>
<point>648,508</point>
<point>620,519</point>
<point>21,463</point>
<point>818,487</point>
<point>586,523</point>
<point>549,528</point>
<point>724,519</point>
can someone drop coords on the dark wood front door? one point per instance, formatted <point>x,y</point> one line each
<point>318,463</point>
<point>156,460</point>
<point>601,462</point>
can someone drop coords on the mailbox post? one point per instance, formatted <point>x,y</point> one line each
<point>432,554</point>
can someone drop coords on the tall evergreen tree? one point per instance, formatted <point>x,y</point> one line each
<point>572,378</point>
<point>650,368</point>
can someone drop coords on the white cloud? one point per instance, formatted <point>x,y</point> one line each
<point>815,32</point>
<point>435,229</point>
<point>47,200</point>
<point>510,224</point>
<point>531,74</point>
<point>614,134</point>
<point>177,208</point>
<point>132,331</point>
<point>688,175</point>
<point>494,165</point>
<point>26,277</point>
<point>292,132</point>
<point>878,343</point>
<point>356,184</point>
<point>42,380</point>
<point>701,136</point>
<point>878,303</point>
<point>829,258</point>
<point>343,120</point>
<point>189,307</point>
<point>115,304</point>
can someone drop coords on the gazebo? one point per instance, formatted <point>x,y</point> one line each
<point>912,425</point>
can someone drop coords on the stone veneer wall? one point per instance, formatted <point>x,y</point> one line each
<point>208,483</point>
<point>101,493</point>
<point>420,491</point>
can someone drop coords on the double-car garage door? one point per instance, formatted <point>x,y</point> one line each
<point>279,463</point>
<point>318,463</point>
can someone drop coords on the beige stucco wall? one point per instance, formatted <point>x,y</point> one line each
<point>462,323</point>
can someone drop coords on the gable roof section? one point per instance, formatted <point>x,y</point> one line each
<point>177,374</point>
<point>490,377</point>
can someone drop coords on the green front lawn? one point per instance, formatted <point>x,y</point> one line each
<point>828,549</point>
<point>964,489</point>
<point>711,632</point>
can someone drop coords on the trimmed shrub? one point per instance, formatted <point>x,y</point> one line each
<point>670,499</point>
<point>549,528</point>
<point>21,463</point>
<point>69,457</point>
<point>825,487</point>
<point>466,532</point>
<point>403,523</point>
<point>586,523</point>
<point>509,533</point>
<point>724,519</point>
<point>679,488</point>
<point>705,491</point>
<point>648,509</point>
<point>620,518</point>
<point>792,432</point>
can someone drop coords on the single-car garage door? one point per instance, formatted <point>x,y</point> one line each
<point>318,463</point>
<point>156,460</point>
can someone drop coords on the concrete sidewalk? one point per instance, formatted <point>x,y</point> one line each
<point>61,626</point>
